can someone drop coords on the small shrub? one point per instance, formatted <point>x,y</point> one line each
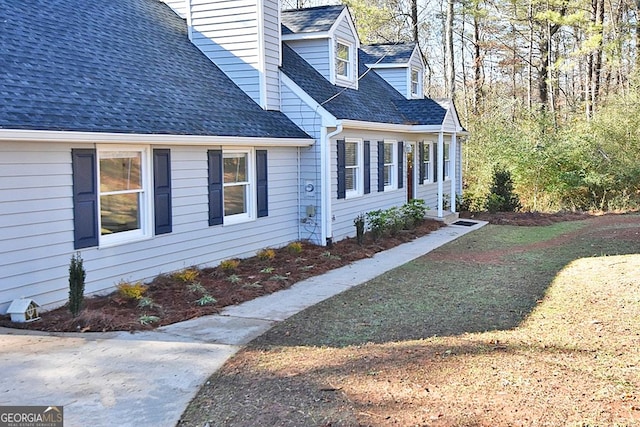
<point>377,223</point>
<point>278,277</point>
<point>187,275</point>
<point>266,254</point>
<point>229,265</point>
<point>145,319</point>
<point>329,255</point>
<point>394,220</point>
<point>267,270</point>
<point>359,223</point>
<point>77,276</point>
<point>206,300</point>
<point>294,248</point>
<point>132,291</point>
<point>414,212</point>
<point>501,197</point>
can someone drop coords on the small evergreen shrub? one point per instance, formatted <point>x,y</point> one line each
<point>414,212</point>
<point>359,223</point>
<point>377,221</point>
<point>77,276</point>
<point>501,197</point>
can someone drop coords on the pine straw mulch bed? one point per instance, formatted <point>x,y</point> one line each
<point>171,298</point>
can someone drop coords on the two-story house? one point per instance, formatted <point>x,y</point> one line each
<point>151,136</point>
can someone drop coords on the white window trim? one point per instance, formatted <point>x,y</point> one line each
<point>446,162</point>
<point>358,191</point>
<point>350,78</point>
<point>418,92</point>
<point>393,181</point>
<point>428,171</point>
<point>146,201</point>
<point>251,214</point>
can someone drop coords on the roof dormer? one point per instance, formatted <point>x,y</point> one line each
<point>326,38</point>
<point>398,64</point>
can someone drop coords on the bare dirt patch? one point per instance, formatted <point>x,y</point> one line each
<point>172,299</point>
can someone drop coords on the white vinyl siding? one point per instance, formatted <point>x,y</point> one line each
<point>396,77</point>
<point>178,6</point>
<point>36,223</point>
<point>232,36</point>
<point>316,52</point>
<point>415,63</point>
<point>271,39</point>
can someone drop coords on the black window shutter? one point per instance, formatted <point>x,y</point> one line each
<point>435,162</point>
<point>262,189</point>
<point>400,164</point>
<point>421,160</point>
<point>380,165</point>
<point>367,167</point>
<point>162,190</point>
<point>342,189</point>
<point>85,198</point>
<point>216,211</point>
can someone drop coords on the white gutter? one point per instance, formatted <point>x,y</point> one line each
<point>326,181</point>
<point>358,124</point>
<point>155,139</point>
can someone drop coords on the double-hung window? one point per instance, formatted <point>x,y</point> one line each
<point>124,194</point>
<point>238,190</point>
<point>447,160</point>
<point>427,162</point>
<point>353,168</point>
<point>343,61</point>
<point>118,197</point>
<point>389,165</point>
<point>237,185</point>
<point>415,83</point>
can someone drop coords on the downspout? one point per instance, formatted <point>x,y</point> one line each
<point>327,229</point>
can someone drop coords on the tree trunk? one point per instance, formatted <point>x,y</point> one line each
<point>448,46</point>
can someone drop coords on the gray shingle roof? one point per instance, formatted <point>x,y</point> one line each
<point>310,20</point>
<point>123,66</point>
<point>374,101</point>
<point>399,53</point>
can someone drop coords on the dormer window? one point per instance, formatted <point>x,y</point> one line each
<point>343,61</point>
<point>415,83</point>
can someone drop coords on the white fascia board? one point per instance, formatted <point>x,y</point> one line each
<point>328,119</point>
<point>416,51</point>
<point>306,36</point>
<point>400,65</point>
<point>345,14</point>
<point>155,139</point>
<point>357,124</point>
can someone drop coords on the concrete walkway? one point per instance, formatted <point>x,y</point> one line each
<point>148,378</point>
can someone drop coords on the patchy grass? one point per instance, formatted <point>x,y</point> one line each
<point>490,330</point>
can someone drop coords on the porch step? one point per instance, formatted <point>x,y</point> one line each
<point>447,218</point>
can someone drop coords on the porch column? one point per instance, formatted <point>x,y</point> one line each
<point>440,169</point>
<point>452,169</point>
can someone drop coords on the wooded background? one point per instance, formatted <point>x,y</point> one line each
<point>548,90</point>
